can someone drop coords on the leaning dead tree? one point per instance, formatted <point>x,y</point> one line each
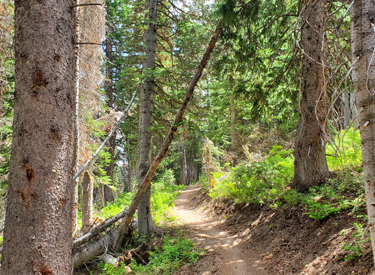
<point>113,239</point>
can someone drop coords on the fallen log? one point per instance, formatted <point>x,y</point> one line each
<point>109,259</point>
<point>100,228</point>
<point>113,239</point>
<point>94,247</point>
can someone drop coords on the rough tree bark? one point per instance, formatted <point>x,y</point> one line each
<point>87,202</point>
<point>363,40</point>
<point>108,192</point>
<point>38,220</point>
<point>310,164</point>
<point>145,221</point>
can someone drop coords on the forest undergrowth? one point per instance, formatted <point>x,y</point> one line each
<point>264,180</point>
<point>161,252</point>
<point>261,178</point>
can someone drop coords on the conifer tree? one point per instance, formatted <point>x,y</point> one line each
<point>39,206</point>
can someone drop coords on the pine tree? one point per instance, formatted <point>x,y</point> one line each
<point>39,207</point>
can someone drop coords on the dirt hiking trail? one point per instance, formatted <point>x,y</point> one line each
<point>227,252</point>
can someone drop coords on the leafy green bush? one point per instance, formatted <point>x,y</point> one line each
<point>256,182</point>
<point>291,196</point>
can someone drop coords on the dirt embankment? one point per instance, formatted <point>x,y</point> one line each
<point>253,239</point>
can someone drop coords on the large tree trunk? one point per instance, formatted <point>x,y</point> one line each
<point>363,40</point>
<point>108,192</point>
<point>310,164</point>
<point>87,202</point>
<point>145,222</point>
<point>38,223</point>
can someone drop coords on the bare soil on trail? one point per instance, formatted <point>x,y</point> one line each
<point>244,239</point>
<point>227,252</point>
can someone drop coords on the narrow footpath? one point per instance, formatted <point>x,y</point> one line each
<point>227,253</point>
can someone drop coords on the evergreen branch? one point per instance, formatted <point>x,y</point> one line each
<point>273,20</point>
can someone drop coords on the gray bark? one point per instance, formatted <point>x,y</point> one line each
<point>346,109</point>
<point>38,220</point>
<point>310,164</point>
<point>183,180</point>
<point>87,202</point>
<point>363,40</point>
<point>145,222</point>
<point>94,248</point>
<point>130,177</point>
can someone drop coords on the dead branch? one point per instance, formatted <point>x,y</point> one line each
<point>122,118</point>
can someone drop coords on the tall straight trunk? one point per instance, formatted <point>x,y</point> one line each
<point>76,129</point>
<point>145,222</point>
<point>363,40</point>
<point>130,177</point>
<point>347,113</point>
<point>183,180</point>
<point>108,192</point>
<point>38,222</point>
<point>233,123</point>
<point>310,164</point>
<point>87,202</point>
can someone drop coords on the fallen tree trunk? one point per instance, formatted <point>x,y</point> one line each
<point>115,237</point>
<point>100,228</point>
<point>94,248</point>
